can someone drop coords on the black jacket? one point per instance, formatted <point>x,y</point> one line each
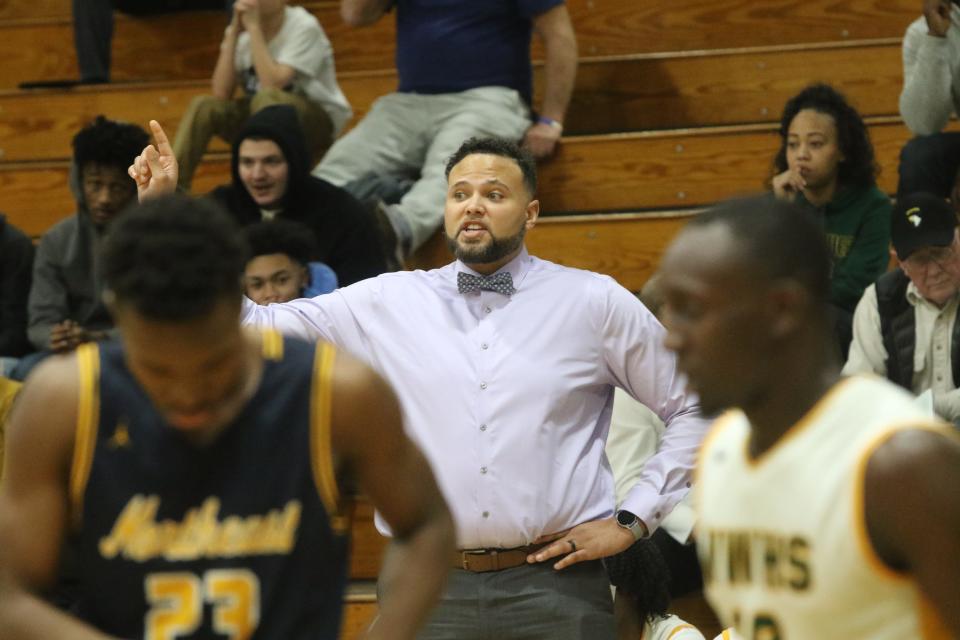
<point>345,230</point>
<point>16,266</point>
<point>898,328</point>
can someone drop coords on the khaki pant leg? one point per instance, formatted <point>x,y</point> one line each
<point>206,117</point>
<point>315,122</point>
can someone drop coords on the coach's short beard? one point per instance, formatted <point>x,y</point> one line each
<point>495,249</point>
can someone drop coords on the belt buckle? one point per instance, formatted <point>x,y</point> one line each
<point>473,552</point>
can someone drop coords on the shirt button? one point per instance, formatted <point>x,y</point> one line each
<point>487,309</point>
<point>939,347</point>
<point>939,378</point>
<point>483,470</point>
<point>657,515</point>
<point>484,346</point>
<point>483,427</point>
<point>486,514</point>
<point>483,385</point>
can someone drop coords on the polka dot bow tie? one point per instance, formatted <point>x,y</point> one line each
<point>500,282</point>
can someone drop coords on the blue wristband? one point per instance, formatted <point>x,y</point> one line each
<point>550,122</point>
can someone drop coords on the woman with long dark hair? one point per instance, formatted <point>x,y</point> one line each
<point>826,164</point>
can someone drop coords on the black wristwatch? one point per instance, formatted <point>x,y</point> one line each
<point>632,523</point>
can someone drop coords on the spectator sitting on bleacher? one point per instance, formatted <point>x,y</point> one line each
<point>930,95</point>
<point>280,265</point>
<point>905,327</point>
<point>826,164</point>
<point>277,55</point>
<point>271,180</point>
<point>65,307</point>
<point>464,71</point>
<point>16,263</point>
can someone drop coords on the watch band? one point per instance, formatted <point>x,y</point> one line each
<point>633,524</point>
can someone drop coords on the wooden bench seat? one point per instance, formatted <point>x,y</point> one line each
<point>615,172</point>
<point>38,46</point>
<point>630,93</point>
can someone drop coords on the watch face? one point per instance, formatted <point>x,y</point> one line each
<point>625,518</point>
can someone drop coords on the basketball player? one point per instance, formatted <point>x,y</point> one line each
<point>829,508</point>
<point>195,466</point>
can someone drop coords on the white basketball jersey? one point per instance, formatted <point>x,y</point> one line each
<point>782,539</point>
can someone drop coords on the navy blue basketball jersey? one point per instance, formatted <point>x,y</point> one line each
<point>239,539</point>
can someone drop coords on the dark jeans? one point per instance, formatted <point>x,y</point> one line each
<point>929,163</point>
<point>27,363</point>
<point>93,27</point>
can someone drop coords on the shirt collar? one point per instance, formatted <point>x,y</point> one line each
<point>518,268</point>
<point>914,298</point>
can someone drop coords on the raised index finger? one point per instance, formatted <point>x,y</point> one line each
<point>163,143</point>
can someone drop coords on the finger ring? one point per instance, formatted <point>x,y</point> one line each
<point>573,545</point>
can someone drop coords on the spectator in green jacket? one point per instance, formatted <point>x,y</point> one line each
<point>826,164</point>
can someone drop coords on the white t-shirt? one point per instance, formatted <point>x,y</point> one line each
<point>635,433</point>
<point>301,44</point>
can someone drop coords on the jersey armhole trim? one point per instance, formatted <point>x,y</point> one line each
<point>88,418</point>
<point>681,627</point>
<point>321,450</point>
<point>862,535</point>
<point>272,343</point>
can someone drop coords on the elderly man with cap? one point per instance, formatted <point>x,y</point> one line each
<point>905,326</point>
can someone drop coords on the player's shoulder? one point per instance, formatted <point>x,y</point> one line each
<point>877,396</point>
<point>50,399</point>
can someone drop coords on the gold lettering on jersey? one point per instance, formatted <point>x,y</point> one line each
<point>840,244</point>
<point>738,557</point>
<point>138,536</point>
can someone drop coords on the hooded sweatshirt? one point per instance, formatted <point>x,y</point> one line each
<point>345,230</point>
<point>16,262</point>
<point>66,281</point>
<point>857,225</point>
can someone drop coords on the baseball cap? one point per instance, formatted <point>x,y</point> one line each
<point>921,220</point>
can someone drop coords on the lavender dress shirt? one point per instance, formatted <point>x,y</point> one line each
<point>509,397</point>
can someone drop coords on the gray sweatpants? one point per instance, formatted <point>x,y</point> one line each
<point>406,133</point>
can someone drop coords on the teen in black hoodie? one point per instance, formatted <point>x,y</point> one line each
<point>345,230</point>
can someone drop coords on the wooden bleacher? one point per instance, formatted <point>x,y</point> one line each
<point>40,46</point>
<point>625,93</point>
<point>613,172</point>
<point>675,108</point>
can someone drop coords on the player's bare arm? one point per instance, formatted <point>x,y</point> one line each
<point>367,436</point>
<point>912,503</point>
<point>360,13</point>
<point>34,503</point>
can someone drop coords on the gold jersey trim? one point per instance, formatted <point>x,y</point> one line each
<point>321,450</point>
<point>272,344</point>
<point>680,627</point>
<point>88,418</point>
<point>811,417</point>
